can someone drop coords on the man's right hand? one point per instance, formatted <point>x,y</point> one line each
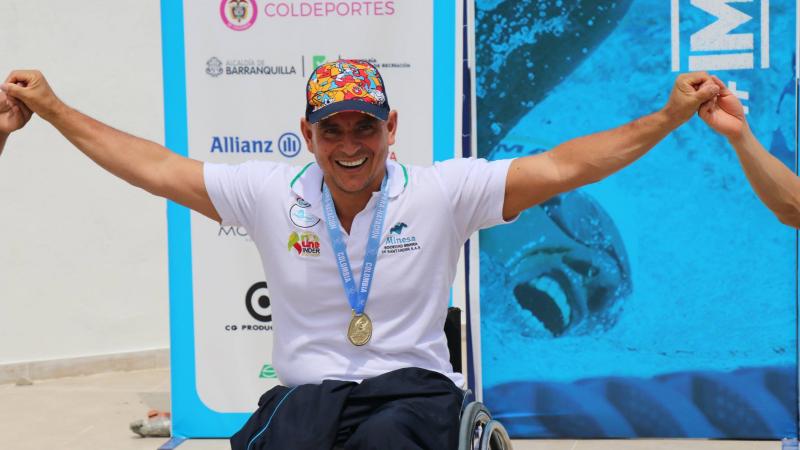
<point>688,93</point>
<point>31,88</point>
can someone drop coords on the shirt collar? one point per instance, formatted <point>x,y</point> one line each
<point>307,184</point>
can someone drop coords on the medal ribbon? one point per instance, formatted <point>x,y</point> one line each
<point>357,297</point>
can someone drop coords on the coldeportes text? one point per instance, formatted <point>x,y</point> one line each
<point>330,8</point>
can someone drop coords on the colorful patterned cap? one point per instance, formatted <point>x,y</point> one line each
<point>346,85</point>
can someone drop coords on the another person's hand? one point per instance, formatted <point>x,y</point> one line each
<point>13,114</point>
<point>689,92</point>
<point>31,88</point>
<point>724,113</point>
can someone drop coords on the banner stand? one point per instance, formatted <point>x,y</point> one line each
<point>178,440</point>
<point>207,48</point>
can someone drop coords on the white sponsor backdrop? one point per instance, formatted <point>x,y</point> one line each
<point>234,91</point>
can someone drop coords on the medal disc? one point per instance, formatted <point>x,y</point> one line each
<point>360,330</point>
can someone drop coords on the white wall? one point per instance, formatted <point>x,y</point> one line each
<point>83,260</point>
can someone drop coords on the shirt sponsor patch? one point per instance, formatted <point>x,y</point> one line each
<point>300,216</point>
<point>398,242</point>
<point>304,243</point>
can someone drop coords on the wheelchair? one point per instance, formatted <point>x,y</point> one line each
<point>477,429</point>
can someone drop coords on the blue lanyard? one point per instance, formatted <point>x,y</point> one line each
<point>356,297</point>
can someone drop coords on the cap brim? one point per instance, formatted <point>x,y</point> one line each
<point>380,112</point>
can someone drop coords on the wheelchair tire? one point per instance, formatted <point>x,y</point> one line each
<point>495,437</point>
<point>471,429</point>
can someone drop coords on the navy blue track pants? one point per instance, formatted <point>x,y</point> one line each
<point>404,409</point>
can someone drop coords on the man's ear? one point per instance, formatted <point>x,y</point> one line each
<point>391,126</point>
<point>308,132</point>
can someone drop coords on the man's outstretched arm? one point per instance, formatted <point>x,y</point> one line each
<point>13,116</point>
<point>140,162</point>
<point>776,185</point>
<point>587,159</point>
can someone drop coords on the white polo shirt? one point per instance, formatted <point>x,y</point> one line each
<point>431,213</point>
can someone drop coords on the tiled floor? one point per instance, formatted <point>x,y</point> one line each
<point>93,412</point>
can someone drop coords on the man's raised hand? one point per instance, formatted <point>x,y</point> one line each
<point>689,92</point>
<point>31,88</point>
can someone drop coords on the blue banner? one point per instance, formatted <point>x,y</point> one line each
<point>660,302</point>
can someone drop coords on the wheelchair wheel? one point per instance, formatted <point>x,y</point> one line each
<point>495,437</point>
<point>471,430</point>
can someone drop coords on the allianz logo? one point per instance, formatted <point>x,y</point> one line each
<point>288,144</point>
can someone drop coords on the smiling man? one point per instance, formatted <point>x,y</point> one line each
<point>360,350</point>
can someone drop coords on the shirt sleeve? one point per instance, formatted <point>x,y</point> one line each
<point>235,189</point>
<point>476,189</point>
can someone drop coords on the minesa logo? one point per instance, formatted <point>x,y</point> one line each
<point>304,243</point>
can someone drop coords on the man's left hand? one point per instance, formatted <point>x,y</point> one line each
<point>13,114</point>
<point>690,91</point>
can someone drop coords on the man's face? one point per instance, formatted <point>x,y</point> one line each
<point>351,149</point>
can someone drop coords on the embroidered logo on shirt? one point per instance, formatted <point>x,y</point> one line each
<point>396,242</point>
<point>398,228</point>
<point>300,216</point>
<point>304,243</point>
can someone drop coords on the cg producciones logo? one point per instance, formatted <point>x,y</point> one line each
<point>238,15</point>
<point>257,302</point>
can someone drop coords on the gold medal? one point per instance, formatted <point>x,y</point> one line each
<point>360,330</point>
